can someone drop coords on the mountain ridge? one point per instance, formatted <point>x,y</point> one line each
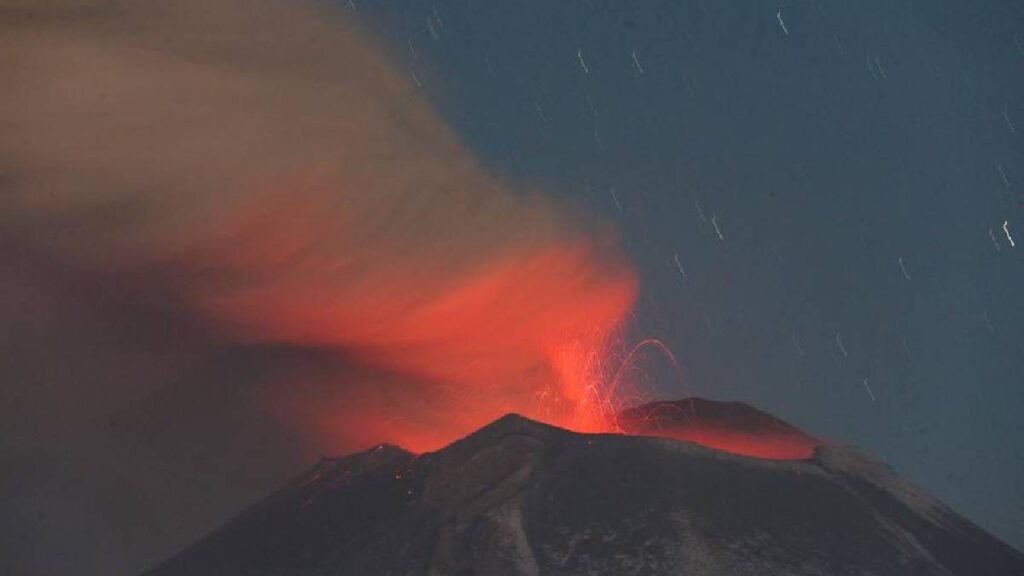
<point>519,497</point>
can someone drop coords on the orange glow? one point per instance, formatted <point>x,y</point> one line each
<point>530,331</point>
<point>449,345</point>
<point>459,344</point>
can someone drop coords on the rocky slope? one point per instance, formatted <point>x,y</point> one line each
<point>522,498</point>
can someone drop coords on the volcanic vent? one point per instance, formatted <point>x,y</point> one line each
<point>519,497</point>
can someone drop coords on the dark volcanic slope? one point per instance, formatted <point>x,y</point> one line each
<point>518,497</point>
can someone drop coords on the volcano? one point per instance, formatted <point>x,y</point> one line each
<point>518,497</point>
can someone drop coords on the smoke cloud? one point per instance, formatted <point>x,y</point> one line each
<point>234,235</point>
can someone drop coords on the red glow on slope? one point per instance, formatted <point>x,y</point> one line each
<point>728,426</point>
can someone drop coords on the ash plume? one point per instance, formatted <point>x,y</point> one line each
<point>237,220</point>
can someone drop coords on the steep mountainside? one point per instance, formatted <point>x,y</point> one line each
<point>519,498</point>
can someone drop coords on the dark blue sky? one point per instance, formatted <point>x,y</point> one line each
<point>859,160</point>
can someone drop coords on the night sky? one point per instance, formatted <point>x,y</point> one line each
<point>820,199</point>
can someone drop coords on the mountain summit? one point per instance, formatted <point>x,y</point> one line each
<point>729,426</point>
<point>521,498</point>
